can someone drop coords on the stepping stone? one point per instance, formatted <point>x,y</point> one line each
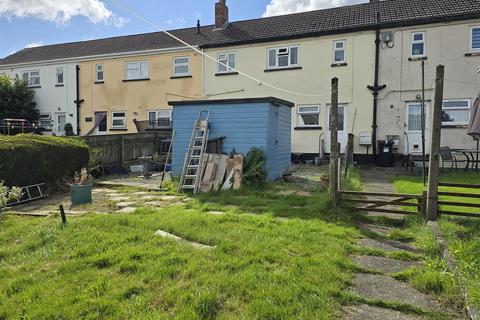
<point>366,312</point>
<point>386,245</point>
<point>124,204</point>
<point>304,194</point>
<point>387,289</point>
<point>216,213</point>
<point>140,193</point>
<point>127,210</point>
<point>156,204</point>
<point>100,190</point>
<point>382,264</point>
<point>148,197</point>
<point>116,198</point>
<point>286,192</point>
<point>168,198</point>
<point>379,230</point>
<point>197,245</point>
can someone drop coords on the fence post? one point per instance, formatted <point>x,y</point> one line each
<point>334,150</point>
<point>423,204</point>
<point>349,153</point>
<point>122,151</point>
<point>434,165</point>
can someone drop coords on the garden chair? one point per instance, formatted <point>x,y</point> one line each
<point>449,157</point>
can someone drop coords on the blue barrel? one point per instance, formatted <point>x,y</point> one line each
<point>81,193</point>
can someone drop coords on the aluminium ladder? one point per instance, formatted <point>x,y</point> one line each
<point>194,158</point>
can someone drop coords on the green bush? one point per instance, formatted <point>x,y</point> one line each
<point>29,159</point>
<point>254,173</point>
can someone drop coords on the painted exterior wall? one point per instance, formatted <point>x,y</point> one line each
<point>52,99</point>
<point>136,98</point>
<point>314,78</point>
<point>244,125</point>
<point>445,44</point>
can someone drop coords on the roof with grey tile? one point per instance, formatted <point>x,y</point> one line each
<point>391,13</point>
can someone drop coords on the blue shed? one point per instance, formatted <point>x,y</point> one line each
<point>264,123</point>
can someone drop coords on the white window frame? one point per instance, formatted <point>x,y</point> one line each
<point>157,113</point>
<point>45,121</point>
<point>423,42</point>
<point>97,67</point>
<point>124,118</point>
<point>277,57</point>
<point>58,129</point>
<point>299,113</point>
<point>471,39</point>
<point>57,74</point>
<point>29,77</point>
<point>335,50</point>
<point>457,123</point>
<point>181,64</point>
<point>227,61</point>
<point>138,65</point>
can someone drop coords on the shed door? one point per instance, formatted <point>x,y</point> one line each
<point>273,142</point>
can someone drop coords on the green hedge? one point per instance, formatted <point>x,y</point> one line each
<point>29,159</point>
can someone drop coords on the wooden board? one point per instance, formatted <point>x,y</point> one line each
<point>209,173</point>
<point>222,163</point>
<point>237,171</point>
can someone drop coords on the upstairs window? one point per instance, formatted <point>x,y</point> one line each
<point>475,40</point>
<point>119,120</point>
<point>456,112</point>
<point>418,44</point>
<point>99,73</point>
<point>309,116</point>
<point>32,78</point>
<point>229,59</point>
<point>59,76</point>
<point>136,70</point>
<point>339,51</point>
<point>181,66</point>
<point>282,57</point>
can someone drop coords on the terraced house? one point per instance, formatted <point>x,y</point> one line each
<point>376,49</point>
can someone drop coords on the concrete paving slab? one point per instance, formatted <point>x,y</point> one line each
<point>386,245</point>
<point>125,204</point>
<point>168,198</point>
<point>379,230</point>
<point>216,213</point>
<point>382,264</point>
<point>304,194</point>
<point>197,245</point>
<point>120,198</point>
<point>385,288</point>
<point>148,197</point>
<point>286,192</point>
<point>140,193</point>
<point>127,210</point>
<point>155,204</point>
<point>366,312</point>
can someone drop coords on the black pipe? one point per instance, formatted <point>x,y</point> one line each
<point>78,101</point>
<point>376,88</point>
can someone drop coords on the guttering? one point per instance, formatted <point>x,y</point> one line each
<point>96,57</point>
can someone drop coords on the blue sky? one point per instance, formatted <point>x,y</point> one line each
<point>30,23</point>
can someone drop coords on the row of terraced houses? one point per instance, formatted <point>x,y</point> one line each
<point>376,49</point>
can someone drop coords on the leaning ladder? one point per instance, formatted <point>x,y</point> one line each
<point>193,165</point>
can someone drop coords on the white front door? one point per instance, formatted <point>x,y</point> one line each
<point>413,127</point>
<point>342,128</point>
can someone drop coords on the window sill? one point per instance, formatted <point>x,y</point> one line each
<point>221,74</point>
<point>342,64</point>
<point>472,54</point>
<point>181,77</point>
<point>132,80</point>
<point>417,58</point>
<point>453,126</point>
<point>282,69</point>
<point>59,85</point>
<point>100,82</point>
<point>34,87</point>
<point>118,129</point>
<point>308,128</point>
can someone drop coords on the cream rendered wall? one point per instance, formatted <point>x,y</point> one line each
<point>136,97</point>
<point>316,58</point>
<point>446,44</point>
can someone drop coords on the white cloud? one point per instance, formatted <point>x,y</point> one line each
<point>278,7</point>
<point>60,11</point>
<point>34,44</point>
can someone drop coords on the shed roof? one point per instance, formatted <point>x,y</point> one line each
<point>392,13</point>
<point>271,100</point>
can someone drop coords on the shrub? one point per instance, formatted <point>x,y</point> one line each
<point>254,173</point>
<point>29,159</point>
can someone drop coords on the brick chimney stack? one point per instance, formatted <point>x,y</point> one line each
<point>221,14</point>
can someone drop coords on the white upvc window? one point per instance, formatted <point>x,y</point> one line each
<point>159,118</point>
<point>99,73</point>
<point>136,70</point>
<point>181,66</point>
<point>418,44</point>
<point>456,112</point>
<point>339,48</point>
<point>61,121</point>
<point>45,121</point>
<point>282,57</point>
<point>119,119</point>
<point>32,78</point>
<point>308,116</point>
<point>59,75</point>
<point>475,39</point>
<point>229,59</point>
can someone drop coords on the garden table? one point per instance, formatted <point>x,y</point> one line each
<point>472,156</point>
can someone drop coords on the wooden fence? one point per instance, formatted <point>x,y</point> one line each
<point>124,149</point>
<point>456,203</point>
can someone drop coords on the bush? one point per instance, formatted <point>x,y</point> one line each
<point>254,173</point>
<point>29,159</point>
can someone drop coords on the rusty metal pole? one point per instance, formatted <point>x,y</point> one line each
<point>434,166</point>
<point>334,150</point>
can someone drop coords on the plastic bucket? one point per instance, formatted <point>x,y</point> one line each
<point>81,193</point>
